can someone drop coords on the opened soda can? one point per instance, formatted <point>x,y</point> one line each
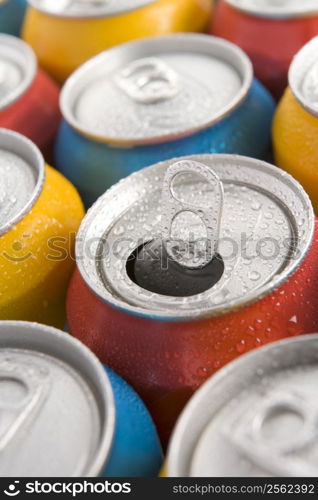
<point>11,16</point>
<point>254,418</point>
<point>270,32</point>
<point>296,122</point>
<point>29,102</point>
<point>188,264</point>
<point>66,34</point>
<point>40,212</point>
<point>155,99</point>
<point>64,414</point>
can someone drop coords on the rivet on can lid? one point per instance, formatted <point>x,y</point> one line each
<point>303,76</point>
<point>276,8</point>
<point>156,90</point>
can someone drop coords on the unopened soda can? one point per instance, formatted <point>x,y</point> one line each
<point>40,212</point>
<point>295,128</point>
<point>66,34</point>
<point>66,415</point>
<point>29,99</point>
<point>155,99</point>
<point>255,418</point>
<point>271,33</point>
<point>188,264</point>
<point>12,13</point>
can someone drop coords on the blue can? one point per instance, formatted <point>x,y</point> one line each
<point>11,16</point>
<point>156,99</point>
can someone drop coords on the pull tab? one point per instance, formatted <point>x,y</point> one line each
<point>148,81</point>
<point>198,249</point>
<point>25,388</point>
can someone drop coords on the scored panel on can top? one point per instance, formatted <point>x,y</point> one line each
<point>303,76</point>
<point>266,230</point>
<point>276,8</point>
<point>155,90</point>
<point>88,8</point>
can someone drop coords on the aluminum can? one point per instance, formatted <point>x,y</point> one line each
<point>40,212</point>
<point>85,28</point>
<point>261,422</point>
<point>29,102</point>
<point>11,16</point>
<point>65,414</point>
<point>296,122</point>
<point>156,99</point>
<point>167,333</point>
<point>271,33</point>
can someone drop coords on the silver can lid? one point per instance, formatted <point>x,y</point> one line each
<point>261,222</point>
<point>276,8</point>
<point>88,8</point>
<point>157,89</point>
<point>256,417</point>
<point>303,76</point>
<point>18,67</point>
<point>22,176</point>
<point>57,407</point>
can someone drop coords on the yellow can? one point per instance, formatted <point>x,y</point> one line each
<point>40,212</point>
<point>295,129</point>
<point>66,36</point>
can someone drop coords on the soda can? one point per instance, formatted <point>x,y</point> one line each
<point>166,324</point>
<point>40,212</point>
<point>262,421</point>
<point>29,102</point>
<point>85,28</point>
<point>296,122</point>
<point>11,16</point>
<point>271,33</point>
<point>155,99</point>
<point>66,415</point>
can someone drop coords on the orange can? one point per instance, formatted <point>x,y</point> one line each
<point>40,212</point>
<point>66,34</point>
<point>295,130</point>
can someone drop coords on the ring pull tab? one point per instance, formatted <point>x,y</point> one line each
<point>24,388</point>
<point>190,229</point>
<point>149,81</point>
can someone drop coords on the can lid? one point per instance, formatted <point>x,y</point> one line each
<point>276,8</point>
<point>57,407</point>
<point>88,8</point>
<point>263,420</point>
<point>18,67</point>
<point>265,231</point>
<point>303,76</point>
<point>156,89</point>
<point>22,176</point>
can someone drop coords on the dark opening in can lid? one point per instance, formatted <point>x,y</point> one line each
<point>18,67</point>
<point>303,76</point>
<point>57,408</point>
<point>157,89</point>
<point>276,8</point>
<point>22,176</point>
<point>263,232</point>
<point>256,417</point>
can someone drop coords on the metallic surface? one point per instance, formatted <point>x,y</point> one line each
<point>281,9</point>
<point>11,16</point>
<point>88,8</point>
<point>262,421</point>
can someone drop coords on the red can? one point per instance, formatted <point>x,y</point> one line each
<point>168,328</point>
<point>271,33</point>
<point>29,102</point>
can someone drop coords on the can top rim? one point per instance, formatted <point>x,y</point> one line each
<point>110,9</point>
<point>29,152</point>
<point>296,9</point>
<point>19,52</point>
<point>303,67</point>
<point>48,340</point>
<point>182,447</point>
<point>196,43</point>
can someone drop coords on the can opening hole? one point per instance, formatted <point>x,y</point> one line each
<point>151,268</point>
<point>282,422</point>
<point>12,391</point>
